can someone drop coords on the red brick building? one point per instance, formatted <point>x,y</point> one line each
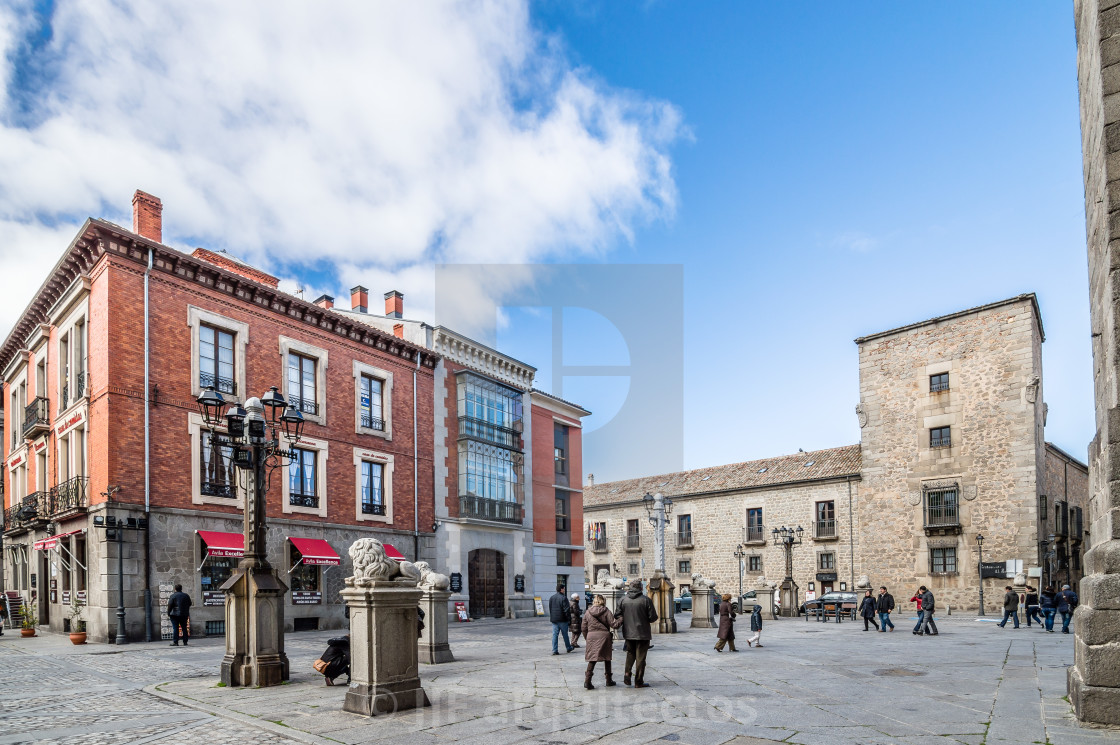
<point>100,376</point>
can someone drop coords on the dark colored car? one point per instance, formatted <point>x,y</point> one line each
<point>815,605</point>
<point>684,602</point>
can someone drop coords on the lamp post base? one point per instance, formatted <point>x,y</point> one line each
<point>254,628</point>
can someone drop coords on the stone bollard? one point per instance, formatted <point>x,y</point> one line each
<point>702,599</point>
<point>433,648</point>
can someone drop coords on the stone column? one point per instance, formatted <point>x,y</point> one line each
<point>614,599</point>
<point>702,599</point>
<point>1094,680</point>
<point>434,648</point>
<point>661,592</point>
<point>384,670</point>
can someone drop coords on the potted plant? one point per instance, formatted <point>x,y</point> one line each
<point>27,621</point>
<point>77,623</point>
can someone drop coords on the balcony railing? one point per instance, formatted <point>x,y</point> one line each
<point>684,538</point>
<point>941,516</point>
<point>824,529</point>
<point>482,430</point>
<point>305,405</point>
<point>36,417</point>
<point>633,542</point>
<point>218,489</point>
<point>69,495</point>
<point>303,500</point>
<point>754,534</point>
<point>373,508</point>
<point>371,422</point>
<point>598,544</point>
<point>31,509</point>
<point>218,383</point>
<point>72,391</point>
<point>482,508</point>
<point>80,381</point>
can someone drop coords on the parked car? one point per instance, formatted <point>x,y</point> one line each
<point>815,605</point>
<point>684,602</point>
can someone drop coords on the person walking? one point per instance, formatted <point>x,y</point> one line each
<point>597,626</point>
<point>336,660</point>
<point>1010,607</point>
<point>867,610</point>
<point>575,625</point>
<point>1066,602</point>
<point>928,605</point>
<point>560,614</point>
<point>179,611</point>
<point>637,614</point>
<point>756,626</point>
<point>884,604</point>
<point>1048,603</point>
<point>1032,606</point>
<point>917,598</point>
<point>726,633</point>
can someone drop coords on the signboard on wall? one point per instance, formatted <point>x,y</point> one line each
<point>461,612</point>
<point>519,583</point>
<point>539,604</point>
<point>456,582</point>
<point>307,597</point>
<point>210,597</point>
<point>66,597</point>
<point>1006,569</point>
<point>164,622</point>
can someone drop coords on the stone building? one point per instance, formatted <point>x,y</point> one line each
<point>951,419</point>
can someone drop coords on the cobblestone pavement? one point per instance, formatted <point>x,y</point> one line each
<point>811,683</point>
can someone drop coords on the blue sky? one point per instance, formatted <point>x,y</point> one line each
<point>819,172</point>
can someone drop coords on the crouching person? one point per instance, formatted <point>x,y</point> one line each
<point>336,660</point>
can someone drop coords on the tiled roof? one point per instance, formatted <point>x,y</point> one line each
<point>825,464</point>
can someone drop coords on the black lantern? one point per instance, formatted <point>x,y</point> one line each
<point>800,530</point>
<point>275,404</point>
<point>235,421</point>
<point>647,500</point>
<point>979,539</point>
<point>293,423</point>
<point>210,405</point>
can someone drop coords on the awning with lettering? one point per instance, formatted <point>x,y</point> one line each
<point>222,544</point>
<point>315,552</point>
<point>52,541</point>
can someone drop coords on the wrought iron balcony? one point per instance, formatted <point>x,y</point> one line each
<point>71,495</point>
<point>74,389</point>
<point>684,539</point>
<point>30,510</point>
<point>599,544</point>
<point>482,508</point>
<point>373,508</point>
<point>824,529</point>
<point>754,534</point>
<point>488,432</point>
<point>303,500</point>
<point>305,405</point>
<point>633,542</point>
<point>223,489</point>
<point>79,384</point>
<point>371,422</point>
<point>218,383</point>
<point>36,418</point>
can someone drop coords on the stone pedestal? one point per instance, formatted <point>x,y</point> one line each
<point>433,648</point>
<point>764,596</point>
<point>790,597</point>
<point>614,600</point>
<point>384,669</point>
<point>254,628</point>
<point>661,592</point>
<point>702,599</point>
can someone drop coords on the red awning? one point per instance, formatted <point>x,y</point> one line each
<point>392,552</point>
<point>52,541</point>
<point>316,552</point>
<point>222,544</point>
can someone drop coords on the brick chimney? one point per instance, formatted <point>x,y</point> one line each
<point>359,299</point>
<point>394,304</point>
<point>147,216</point>
<point>325,301</point>
<point>398,330</point>
<point>591,479</point>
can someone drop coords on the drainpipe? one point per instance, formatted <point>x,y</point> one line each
<point>147,467</point>
<point>851,537</point>
<point>415,468</point>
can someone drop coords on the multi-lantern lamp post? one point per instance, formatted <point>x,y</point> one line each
<point>740,554</point>
<point>980,566</point>
<point>658,509</point>
<point>254,594</point>
<point>788,538</point>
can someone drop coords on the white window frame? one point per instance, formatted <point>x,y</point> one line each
<point>78,318</point>
<point>386,378</point>
<point>385,459</point>
<point>196,430</point>
<point>322,448</point>
<point>288,345</point>
<point>195,318</point>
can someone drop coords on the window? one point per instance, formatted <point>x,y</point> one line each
<point>684,530</point>
<point>684,566</point>
<point>943,560</point>
<point>81,563</point>
<point>490,472</point>
<point>1042,507</point>
<point>558,457</point>
<point>302,578</point>
<point>215,569</point>
<point>215,359</point>
<point>941,507</point>
<point>755,531</point>
<point>826,520</point>
<point>633,569</point>
<point>939,437</point>
<point>826,561</point>
<point>302,483</point>
<point>560,453</point>
<point>562,583</point>
<point>754,563</point>
<point>301,383</point>
<point>939,382</point>
<point>372,488</point>
<point>633,537</point>
<point>489,411</point>
<point>218,475</point>
<point>371,403</point>
<point>563,527</point>
<point>563,557</point>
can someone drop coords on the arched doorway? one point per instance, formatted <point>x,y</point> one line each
<point>486,583</point>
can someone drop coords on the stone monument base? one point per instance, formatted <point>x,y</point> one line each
<point>371,700</point>
<point>433,648</point>
<point>702,599</point>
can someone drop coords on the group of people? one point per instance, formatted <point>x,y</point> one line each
<point>726,634</point>
<point>1048,604</point>
<point>883,605</point>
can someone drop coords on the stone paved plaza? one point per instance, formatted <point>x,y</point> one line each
<point>811,683</point>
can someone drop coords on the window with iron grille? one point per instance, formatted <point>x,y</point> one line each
<point>372,397</point>
<point>219,475</point>
<point>301,478</point>
<point>755,531</point>
<point>826,561</point>
<point>825,525</point>
<point>939,437</point>
<point>684,566</point>
<point>942,507</point>
<point>301,383</point>
<point>754,563</point>
<point>373,488</point>
<point>684,530</point>
<point>943,560</point>
<point>215,359</point>
<point>563,557</point>
<point>939,382</point>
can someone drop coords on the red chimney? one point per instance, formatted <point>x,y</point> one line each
<point>359,299</point>
<point>394,304</point>
<point>147,216</point>
<point>398,330</point>
<point>325,301</point>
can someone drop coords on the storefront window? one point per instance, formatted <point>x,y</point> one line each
<point>80,569</point>
<point>215,571</point>
<point>303,578</point>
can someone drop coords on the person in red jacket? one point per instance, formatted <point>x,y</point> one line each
<point>917,598</point>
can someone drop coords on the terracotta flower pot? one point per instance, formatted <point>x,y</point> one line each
<point>78,637</point>
<point>27,632</point>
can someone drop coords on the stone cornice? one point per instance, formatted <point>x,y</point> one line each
<point>480,358</point>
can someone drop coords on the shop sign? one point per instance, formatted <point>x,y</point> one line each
<point>66,597</point>
<point>40,446</point>
<point>826,576</point>
<point>539,604</point>
<point>456,582</point>
<point>81,597</point>
<point>54,596</point>
<point>211,598</point>
<point>304,597</point>
<point>15,461</point>
<point>519,583</point>
<point>1001,568</point>
<point>72,421</point>
<point>461,611</point>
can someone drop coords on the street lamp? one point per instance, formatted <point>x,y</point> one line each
<point>658,509</point>
<point>255,639</point>
<point>114,528</point>
<point>740,554</point>
<point>980,564</point>
<point>1051,558</point>
<point>788,538</point>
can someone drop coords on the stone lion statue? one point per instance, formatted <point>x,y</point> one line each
<point>863,583</point>
<point>1020,580</point>
<point>372,564</point>
<point>604,580</point>
<point>430,580</point>
<point>702,582</point>
<point>763,582</point>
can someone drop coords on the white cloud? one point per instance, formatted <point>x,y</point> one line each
<point>381,138</point>
<point>856,241</point>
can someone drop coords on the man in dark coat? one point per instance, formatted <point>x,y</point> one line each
<point>1010,607</point>
<point>867,611</point>
<point>179,611</point>
<point>575,624</point>
<point>637,614</point>
<point>1047,601</point>
<point>726,633</point>
<point>884,604</point>
<point>927,612</point>
<point>1066,601</point>
<point>1032,607</point>
<point>560,614</point>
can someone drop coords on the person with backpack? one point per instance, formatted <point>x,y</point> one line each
<point>1048,606</point>
<point>1066,602</point>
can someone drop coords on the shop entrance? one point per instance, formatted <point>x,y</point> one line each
<point>486,582</point>
<point>45,591</point>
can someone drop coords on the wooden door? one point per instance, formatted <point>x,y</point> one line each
<point>486,583</point>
